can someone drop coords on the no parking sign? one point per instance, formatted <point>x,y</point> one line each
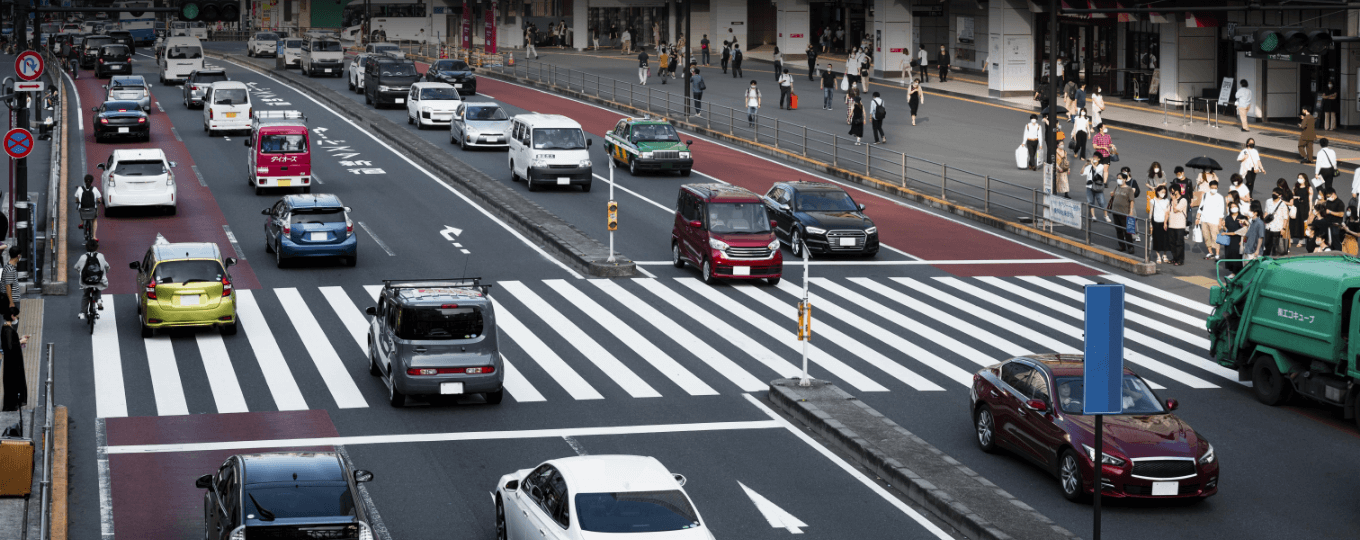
<point>18,143</point>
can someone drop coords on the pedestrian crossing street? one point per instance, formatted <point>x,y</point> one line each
<point>566,340</point>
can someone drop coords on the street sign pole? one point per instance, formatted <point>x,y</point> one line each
<point>1103,372</point>
<point>611,198</point>
<point>805,318</point>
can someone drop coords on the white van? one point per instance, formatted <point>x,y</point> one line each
<point>289,52</point>
<point>226,107</point>
<point>322,56</point>
<point>182,55</point>
<point>549,149</point>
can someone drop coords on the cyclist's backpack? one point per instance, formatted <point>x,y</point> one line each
<point>87,198</point>
<point>93,273</point>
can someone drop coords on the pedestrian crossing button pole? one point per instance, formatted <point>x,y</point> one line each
<point>612,213</point>
<point>805,318</point>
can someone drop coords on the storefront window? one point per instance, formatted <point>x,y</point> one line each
<point>1140,73</point>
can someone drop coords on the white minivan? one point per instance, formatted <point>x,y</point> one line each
<point>183,55</point>
<point>549,149</point>
<point>226,107</point>
<point>322,56</point>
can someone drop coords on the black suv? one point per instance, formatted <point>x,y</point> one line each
<point>124,37</point>
<point>284,495</point>
<point>89,49</point>
<point>822,217</point>
<point>113,59</point>
<point>388,80</point>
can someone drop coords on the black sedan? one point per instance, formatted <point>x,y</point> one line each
<point>284,495</point>
<point>454,72</point>
<point>118,119</point>
<point>822,217</point>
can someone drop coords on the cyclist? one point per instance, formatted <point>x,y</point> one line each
<point>94,276</point>
<point>88,197</point>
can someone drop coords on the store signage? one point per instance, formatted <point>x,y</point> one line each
<point>927,11</point>
<point>489,44</point>
<point>1310,59</point>
<point>738,23</point>
<point>795,36</point>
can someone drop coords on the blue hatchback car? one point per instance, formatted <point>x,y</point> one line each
<point>310,225</point>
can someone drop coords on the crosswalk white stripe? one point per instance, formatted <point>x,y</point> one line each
<point>739,340</point>
<point>687,340</point>
<point>277,375</point>
<point>1194,359</point>
<point>544,355</point>
<point>1073,331</point>
<point>374,291</point>
<point>591,349</point>
<point>785,335</point>
<point>517,385</point>
<point>110,396</point>
<point>1136,318</point>
<point>226,389</point>
<point>166,385</point>
<point>354,320</point>
<point>839,339</point>
<point>910,324</point>
<point>1173,297</point>
<point>1159,309</point>
<point>650,353</point>
<point>327,361</point>
<point>973,331</point>
<point>913,351</point>
<point>1046,344</point>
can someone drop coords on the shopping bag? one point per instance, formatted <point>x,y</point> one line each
<point>845,84</point>
<point>1022,157</point>
<point>793,101</point>
<point>1197,236</point>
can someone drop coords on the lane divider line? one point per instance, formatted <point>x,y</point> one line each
<point>201,181</point>
<point>175,132</point>
<point>898,263</point>
<point>376,240</point>
<point>240,255</point>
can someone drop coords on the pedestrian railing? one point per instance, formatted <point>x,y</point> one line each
<point>1005,200</point>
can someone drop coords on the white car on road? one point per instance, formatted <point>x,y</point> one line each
<point>141,177</point>
<point>262,44</point>
<point>591,497</point>
<point>226,107</point>
<point>355,73</point>
<point>431,104</point>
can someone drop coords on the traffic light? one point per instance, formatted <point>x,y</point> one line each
<point>1291,41</point>
<point>613,220</point>
<point>210,10</point>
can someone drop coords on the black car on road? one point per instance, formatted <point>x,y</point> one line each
<point>821,216</point>
<point>113,59</point>
<point>124,37</point>
<point>89,49</point>
<point>119,119</point>
<point>284,495</point>
<point>387,81</point>
<point>455,72</point>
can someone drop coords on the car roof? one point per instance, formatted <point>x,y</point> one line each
<point>315,200</point>
<point>138,154</point>
<point>481,103</point>
<point>272,467</point>
<point>122,80</point>
<point>722,192</point>
<point>213,71</point>
<point>185,250</point>
<point>807,185</point>
<point>640,121</point>
<point>1064,365</point>
<point>432,84</point>
<point>547,120</point>
<point>438,290</point>
<point>229,84</point>
<point>615,473</point>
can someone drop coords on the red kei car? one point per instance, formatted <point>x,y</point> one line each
<point>1148,453</point>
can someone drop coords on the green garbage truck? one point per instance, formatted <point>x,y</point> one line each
<point>1291,325</point>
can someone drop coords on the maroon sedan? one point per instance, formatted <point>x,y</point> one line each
<point>1149,452</point>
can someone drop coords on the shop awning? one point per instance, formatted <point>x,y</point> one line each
<point>1078,5</point>
<point>1126,17</point>
<point>1158,18</point>
<point>1200,20</point>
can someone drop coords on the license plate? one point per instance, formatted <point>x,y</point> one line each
<point>328,70</point>
<point>457,85</point>
<point>231,115</point>
<point>847,241</point>
<point>563,181</point>
<point>451,388</point>
<point>122,130</point>
<point>317,236</point>
<point>285,183</point>
<point>1160,489</point>
<point>188,300</point>
<point>741,270</point>
<point>400,100</point>
<point>493,139</point>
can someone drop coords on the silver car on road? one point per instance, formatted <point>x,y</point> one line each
<point>129,88</point>
<point>481,125</point>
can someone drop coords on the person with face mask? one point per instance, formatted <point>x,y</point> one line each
<point>1234,226</point>
<point>1032,134</point>
<point>1250,161</point>
<point>1121,203</point>
<point>1097,106</point>
<point>1103,144</point>
<point>752,104</point>
<point>1175,225</point>
<point>1275,215</point>
<point>1210,219</point>
<point>1160,211</point>
<point>1335,212</point>
<point>1303,204</point>
<point>1081,130</point>
<point>1330,106</point>
<point>1308,125</point>
<point>1241,188</point>
<point>856,120</point>
<point>1256,231</point>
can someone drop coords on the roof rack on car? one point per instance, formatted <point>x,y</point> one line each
<point>280,115</point>
<point>456,282</point>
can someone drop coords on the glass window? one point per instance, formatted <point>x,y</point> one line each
<point>327,46</point>
<point>114,50</point>
<point>1038,386</point>
<point>655,132</point>
<point>140,168</point>
<point>488,113</point>
<point>317,215</point>
<point>449,321</point>
<point>635,512</point>
<point>559,139</point>
<point>283,144</point>
<point>450,65</point>
<point>289,500</point>
<point>398,70</point>
<point>738,218</point>
<point>229,96</point>
<point>209,78</point>
<point>825,201</point>
<point>1016,375</point>
<point>439,93</point>
<point>264,36</point>
<point>184,53</point>
<point>1137,397</point>
<point>293,44</point>
<point>187,271</point>
<point>121,106</point>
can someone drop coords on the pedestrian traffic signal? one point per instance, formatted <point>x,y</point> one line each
<point>613,220</point>
<point>210,10</point>
<point>1291,41</point>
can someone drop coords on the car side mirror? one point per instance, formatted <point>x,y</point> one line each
<point>99,166</point>
<point>247,142</point>
<point>371,310</point>
<point>104,86</point>
<point>231,261</point>
<point>94,109</point>
<point>173,165</point>
<point>689,142</point>
<point>203,482</point>
<point>1037,405</point>
<point>695,224</point>
<point>363,476</point>
<point>861,208</point>
<point>135,265</point>
<point>589,142</point>
<point>1172,404</point>
<point>512,485</point>
<point>265,212</point>
<point>470,68</point>
<point>679,479</point>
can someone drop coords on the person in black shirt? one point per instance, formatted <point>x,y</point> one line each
<point>642,66</point>
<point>812,62</point>
<point>726,55</point>
<point>16,388</point>
<point>828,86</point>
<point>1335,212</point>
<point>736,61</point>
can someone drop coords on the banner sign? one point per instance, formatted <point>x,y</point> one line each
<point>467,25</point>
<point>1062,210</point>
<point>490,28</point>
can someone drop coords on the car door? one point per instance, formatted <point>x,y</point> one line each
<point>541,517</point>
<point>1020,417</point>
<point>386,338</point>
<point>522,522</point>
<point>108,173</point>
<point>1004,405</point>
<point>517,146</point>
<point>1041,429</point>
<point>219,523</point>
<point>274,224</point>
<point>775,202</point>
<point>207,103</point>
<point>456,124</point>
<point>413,103</point>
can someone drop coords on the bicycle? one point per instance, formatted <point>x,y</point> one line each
<point>89,305</point>
<point>87,217</point>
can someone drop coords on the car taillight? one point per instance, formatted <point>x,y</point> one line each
<point>141,120</point>
<point>210,113</point>
<point>151,291</point>
<point>226,287</point>
<point>101,60</point>
<point>287,229</point>
<point>349,225</point>
<point>481,370</point>
<point>248,110</point>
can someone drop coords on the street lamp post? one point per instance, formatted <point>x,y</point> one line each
<point>689,10</point>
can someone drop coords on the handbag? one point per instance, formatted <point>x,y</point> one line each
<point>1293,212</point>
<point>1223,239</point>
<point>845,84</point>
<point>1132,225</point>
<point>1197,235</point>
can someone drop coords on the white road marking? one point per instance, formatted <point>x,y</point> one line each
<point>939,316</point>
<point>226,390</point>
<point>663,207</point>
<point>175,132</point>
<point>327,361</point>
<point>1144,287</point>
<point>517,385</point>
<point>234,245</point>
<point>110,397</point>
<point>1137,300</point>
<point>917,262</point>
<point>778,517</point>
<point>355,321</point>
<point>544,356</point>
<point>465,252</point>
<point>166,385</point>
<point>105,483</point>
<point>1136,318</point>
<point>575,445</point>
<point>739,340</point>
<point>201,181</point>
<point>374,291</point>
<point>282,386</point>
<point>376,240</point>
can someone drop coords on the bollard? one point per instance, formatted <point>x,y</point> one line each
<point>944,180</point>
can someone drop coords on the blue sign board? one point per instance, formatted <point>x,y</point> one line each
<point>1104,371</point>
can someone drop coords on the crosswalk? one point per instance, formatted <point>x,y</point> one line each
<point>578,340</point>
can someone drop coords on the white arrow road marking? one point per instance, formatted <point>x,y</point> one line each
<point>777,517</point>
<point>450,232</point>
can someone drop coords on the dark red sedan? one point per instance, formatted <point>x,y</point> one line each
<point>1031,405</point>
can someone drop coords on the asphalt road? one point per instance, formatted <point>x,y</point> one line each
<point>653,366</point>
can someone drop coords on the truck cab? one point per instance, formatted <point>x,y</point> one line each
<point>279,152</point>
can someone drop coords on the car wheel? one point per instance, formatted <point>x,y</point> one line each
<point>410,120</point>
<point>706,272</point>
<point>186,102</point>
<point>1270,385</point>
<point>684,172</point>
<point>796,244</point>
<point>774,281</point>
<point>278,257</point>
<point>171,210</point>
<point>352,260</point>
<point>494,398</point>
<point>676,260</point>
<point>632,166</point>
<point>250,53</point>
<point>500,520</point>
<point>367,100</point>
<point>986,429</point>
<point>268,247</point>
<point>259,191</point>
<point>307,189</point>
<point>147,331</point>
<point>230,329</point>
<point>514,177</point>
<point>350,84</point>
<point>585,187</point>
<point>372,361</point>
<point>394,396</point>
<point>462,141</point>
<point>1069,476</point>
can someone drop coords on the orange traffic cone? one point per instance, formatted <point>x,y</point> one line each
<point>509,59</point>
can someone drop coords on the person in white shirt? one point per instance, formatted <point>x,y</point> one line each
<point>1355,185</point>
<point>1081,131</point>
<point>1276,207</point>
<point>1326,162</point>
<point>1243,103</point>
<point>785,90</point>
<point>1212,208</point>
<point>1251,164</point>
<point>874,104</point>
<point>1161,205</point>
<point>627,42</point>
<point>923,58</point>
<point>1243,193</point>
<point>1032,134</point>
<point>752,104</point>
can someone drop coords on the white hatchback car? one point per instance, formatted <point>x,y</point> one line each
<point>431,104</point>
<point>226,107</point>
<point>583,497</point>
<point>142,177</point>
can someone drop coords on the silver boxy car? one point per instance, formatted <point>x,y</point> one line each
<point>197,83</point>
<point>435,338</point>
<point>480,124</point>
<point>129,88</point>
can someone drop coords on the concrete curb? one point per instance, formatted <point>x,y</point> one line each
<point>938,501</point>
<point>1094,253</point>
<point>60,518</point>
<point>559,238</point>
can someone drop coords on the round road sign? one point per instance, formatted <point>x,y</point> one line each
<point>29,65</point>
<point>18,143</point>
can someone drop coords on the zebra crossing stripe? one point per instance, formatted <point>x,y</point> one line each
<point>1044,342</point>
<point>327,361</point>
<point>1138,300</point>
<point>166,385</point>
<point>974,332</point>
<point>543,355</point>
<point>106,357</point>
<point>277,376</point>
<point>517,385</point>
<point>1133,317</point>
<point>226,390</point>
<point>739,340</point>
<point>354,320</point>
<point>1170,297</point>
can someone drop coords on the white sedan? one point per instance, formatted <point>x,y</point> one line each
<point>591,497</point>
<point>140,177</point>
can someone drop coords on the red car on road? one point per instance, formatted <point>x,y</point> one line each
<point>1031,405</point>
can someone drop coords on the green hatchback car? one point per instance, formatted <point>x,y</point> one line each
<point>184,284</point>
<point>648,144</point>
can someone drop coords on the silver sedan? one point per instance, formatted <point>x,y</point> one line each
<point>129,88</point>
<point>480,125</point>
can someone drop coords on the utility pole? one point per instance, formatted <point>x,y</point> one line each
<point>689,11</point>
<point>1050,134</point>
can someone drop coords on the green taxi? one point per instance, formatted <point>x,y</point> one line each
<point>184,284</point>
<point>648,144</point>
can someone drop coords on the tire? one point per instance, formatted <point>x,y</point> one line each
<point>514,177</point>
<point>278,258</point>
<point>774,281</point>
<point>676,260</point>
<point>250,53</point>
<point>1356,405</point>
<point>372,361</point>
<point>259,191</point>
<point>394,396</point>
<point>494,398</point>
<point>1069,476</point>
<point>409,120</point>
<point>585,188</point>
<point>632,167</point>
<point>706,273</point>
<point>984,424</point>
<point>307,189</point>
<point>353,260</point>
<point>268,248</point>
<point>147,331</point>
<point>367,100</point>
<point>684,172</point>
<point>1270,386</point>
<point>186,102</point>
<point>796,244</point>
<point>462,141</point>
<point>500,520</point>
<point>350,83</point>
<point>230,329</point>
<point>171,210</point>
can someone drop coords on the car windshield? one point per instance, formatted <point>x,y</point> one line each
<point>738,218</point>
<point>439,93</point>
<point>126,92</point>
<point>635,512</point>
<point>114,51</point>
<point>230,96</point>
<point>384,49</point>
<point>121,106</point>
<point>266,37</point>
<point>140,168</point>
<point>184,53</point>
<point>293,44</point>
<point>448,321</point>
<point>825,201</point>
<point>450,65</point>
<point>326,46</point>
<point>488,113</point>
<point>187,271</point>
<point>655,132</point>
<point>1136,396</point>
<point>559,139</point>
<point>398,70</point>
<point>288,500</point>
<point>209,78</point>
<point>98,41</point>
<point>283,144</point>
<point>317,215</point>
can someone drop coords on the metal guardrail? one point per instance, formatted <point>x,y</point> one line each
<point>993,196</point>
<point>46,485</point>
<point>51,269</point>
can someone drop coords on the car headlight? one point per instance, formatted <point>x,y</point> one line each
<point>385,88</point>
<point>471,131</point>
<point>1208,456</point>
<point>774,245</point>
<point>815,230</point>
<point>684,155</point>
<point>871,230</point>
<point>1104,458</point>
<point>717,244</point>
<point>585,163</point>
<point>427,110</point>
<point>647,155</point>
<point>540,162</point>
